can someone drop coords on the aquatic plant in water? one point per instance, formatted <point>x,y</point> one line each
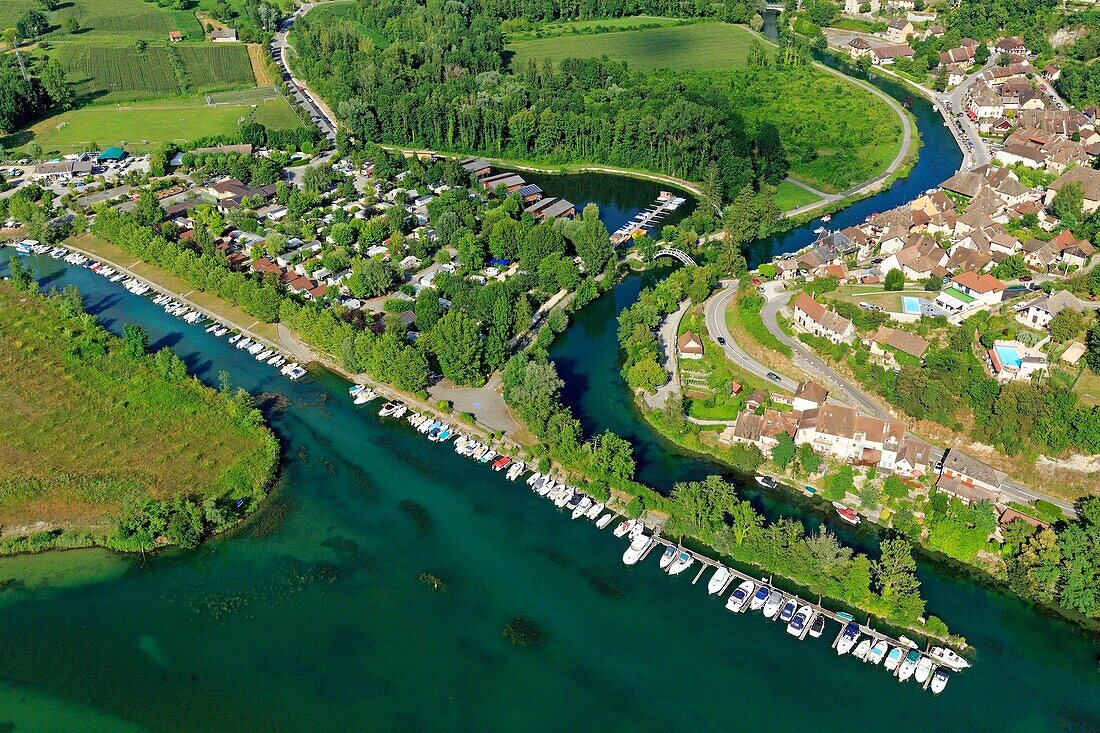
<point>523,632</point>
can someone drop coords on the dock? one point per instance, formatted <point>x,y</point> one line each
<point>644,220</point>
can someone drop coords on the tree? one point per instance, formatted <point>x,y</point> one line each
<point>32,24</point>
<point>1092,353</point>
<point>456,342</point>
<point>770,157</point>
<point>591,240</point>
<point>611,455</point>
<point>185,527</point>
<point>1010,268</point>
<point>895,488</point>
<point>135,341</point>
<point>981,54</point>
<point>1067,204</point>
<point>427,308</point>
<point>895,280</point>
<point>71,25</point>
<point>838,484</point>
<point>807,459</point>
<point>21,277</point>
<point>784,450</point>
<point>371,278</point>
<point>646,375</point>
<point>896,578</point>
<point>148,212</point>
<point>1065,325</point>
<point>49,5</point>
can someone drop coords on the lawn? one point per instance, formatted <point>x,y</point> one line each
<point>85,431</point>
<point>122,20</point>
<point>522,30</point>
<point>717,46</point>
<point>144,125</point>
<point>719,373</point>
<point>1088,387</point>
<point>789,196</point>
<point>344,10</point>
<point>104,72</point>
<point>837,134</point>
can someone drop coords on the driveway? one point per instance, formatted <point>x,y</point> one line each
<point>667,340</point>
<point>714,315</point>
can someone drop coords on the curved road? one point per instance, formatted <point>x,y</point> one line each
<point>714,315</point>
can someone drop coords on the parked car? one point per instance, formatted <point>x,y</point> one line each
<point>775,377</point>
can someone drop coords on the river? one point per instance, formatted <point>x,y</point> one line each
<point>312,615</point>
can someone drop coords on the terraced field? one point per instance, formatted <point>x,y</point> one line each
<point>120,73</point>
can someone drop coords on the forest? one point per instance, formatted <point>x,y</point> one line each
<point>443,83</point>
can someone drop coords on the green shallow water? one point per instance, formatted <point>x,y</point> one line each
<point>312,616</point>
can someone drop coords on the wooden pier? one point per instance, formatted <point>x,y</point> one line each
<point>645,219</point>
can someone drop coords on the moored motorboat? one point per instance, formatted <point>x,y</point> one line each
<point>637,529</point>
<point>847,514</point>
<point>848,638</point>
<point>740,596</point>
<point>817,626</point>
<point>515,470</point>
<point>533,478</point>
<point>788,611</point>
<point>683,561</point>
<point>718,580</point>
<point>923,670</point>
<point>595,511</point>
<point>766,481</point>
<point>638,547</point>
<point>400,411</point>
<point>605,520</point>
<point>582,507</point>
<point>501,462</point>
<point>800,620</point>
<point>775,602</point>
<point>565,497</point>
<point>862,648</point>
<point>939,680</point>
<point>949,658</point>
<point>877,653</point>
<point>760,598</point>
<point>388,408</point>
<point>908,665</point>
<point>893,659</point>
<point>667,557</point>
<point>623,527</point>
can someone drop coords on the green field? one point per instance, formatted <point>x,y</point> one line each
<point>789,196</point>
<point>716,46</point>
<point>11,10</point>
<point>176,120</point>
<point>344,10</point>
<point>115,73</point>
<point>123,20</point>
<point>837,135</point>
<point>520,30</point>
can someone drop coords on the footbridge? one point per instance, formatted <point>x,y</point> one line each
<point>675,254</point>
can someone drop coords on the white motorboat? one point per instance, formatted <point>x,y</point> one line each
<point>948,658</point>
<point>637,529</point>
<point>547,486</point>
<point>667,556</point>
<point>244,343</point>
<point>893,659</point>
<point>388,408</point>
<point>515,470</point>
<point>760,598</point>
<point>740,596</point>
<point>789,609</point>
<point>864,646</point>
<point>596,510</point>
<point>923,670</point>
<point>401,410</point>
<point>533,478</point>
<point>877,653</point>
<point>264,355</point>
<point>718,580</point>
<point>234,338</point>
<point>364,397</point>
<point>623,527</point>
<point>775,602</point>
<point>939,680</point>
<point>817,626</point>
<point>487,456</point>
<point>605,520</point>
<point>638,547</point>
<point>582,507</point>
<point>683,561</point>
<point>221,331</point>
<point>908,665</point>
<point>800,621</point>
<point>766,481</point>
<point>848,638</point>
<point>564,498</point>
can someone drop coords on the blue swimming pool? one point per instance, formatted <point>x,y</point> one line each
<point>911,305</point>
<point>1008,355</point>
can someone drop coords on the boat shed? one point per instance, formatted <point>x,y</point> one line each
<point>112,153</point>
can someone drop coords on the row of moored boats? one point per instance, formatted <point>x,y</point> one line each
<point>172,307</point>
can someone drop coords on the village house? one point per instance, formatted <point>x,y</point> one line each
<point>968,479</point>
<point>223,35</point>
<point>886,342</point>
<point>1089,180</point>
<point>983,101</point>
<point>913,458</point>
<point>815,318</point>
<point>859,47</point>
<point>841,433</point>
<point>763,431</point>
<point>808,395</point>
<point>851,7</point>
<point>898,30</point>
<point>1041,311</point>
<point>984,288</point>
<point>961,55</point>
<point>689,346</point>
<point>886,55</point>
<point>1013,45</point>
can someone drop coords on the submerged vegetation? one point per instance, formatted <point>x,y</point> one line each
<point>104,443</point>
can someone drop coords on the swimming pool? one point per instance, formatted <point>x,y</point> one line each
<point>910,305</point>
<point>1009,356</point>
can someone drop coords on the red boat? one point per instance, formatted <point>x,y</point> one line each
<point>501,462</point>
<point>846,513</point>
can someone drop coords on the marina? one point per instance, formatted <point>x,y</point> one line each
<point>643,221</point>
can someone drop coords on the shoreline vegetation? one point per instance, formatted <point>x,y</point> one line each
<point>109,444</point>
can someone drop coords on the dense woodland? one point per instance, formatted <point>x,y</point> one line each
<point>443,83</point>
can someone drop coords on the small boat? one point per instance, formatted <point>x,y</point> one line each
<point>893,659</point>
<point>862,648</point>
<point>489,455</point>
<point>595,511</point>
<point>800,621</point>
<point>295,371</point>
<point>564,498</point>
<point>819,230</point>
<point>847,514</point>
<point>766,481</point>
<point>637,529</point>
<point>532,478</point>
<point>668,556</point>
<point>515,470</point>
<point>638,546</point>
<point>264,355</point>
<point>788,611</point>
<point>444,434</point>
<point>908,665</point>
<point>356,389</point>
<point>501,462</point>
<point>401,410</point>
<point>682,562</point>
<point>817,626</point>
<point>848,638</point>
<point>221,331</point>
<point>605,520</point>
<point>364,397</point>
<point>877,653</point>
<point>582,507</point>
<point>949,658</point>
<point>210,329</point>
<point>939,680</point>
<point>760,598</point>
<point>426,427</point>
<point>740,596</point>
<point>718,580</point>
<point>775,602</point>
<point>923,670</point>
<point>827,218</point>
<point>388,408</point>
<point>244,343</point>
<point>623,527</point>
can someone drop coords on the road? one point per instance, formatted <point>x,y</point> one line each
<point>714,315</point>
<point>311,103</point>
<point>667,341</point>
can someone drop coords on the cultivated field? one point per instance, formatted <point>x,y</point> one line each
<point>717,46</point>
<point>124,20</point>
<point>84,432</point>
<point>176,120</point>
<point>114,73</point>
<point>11,10</point>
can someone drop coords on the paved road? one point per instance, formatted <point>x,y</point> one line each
<point>667,340</point>
<point>311,103</point>
<point>714,315</point>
